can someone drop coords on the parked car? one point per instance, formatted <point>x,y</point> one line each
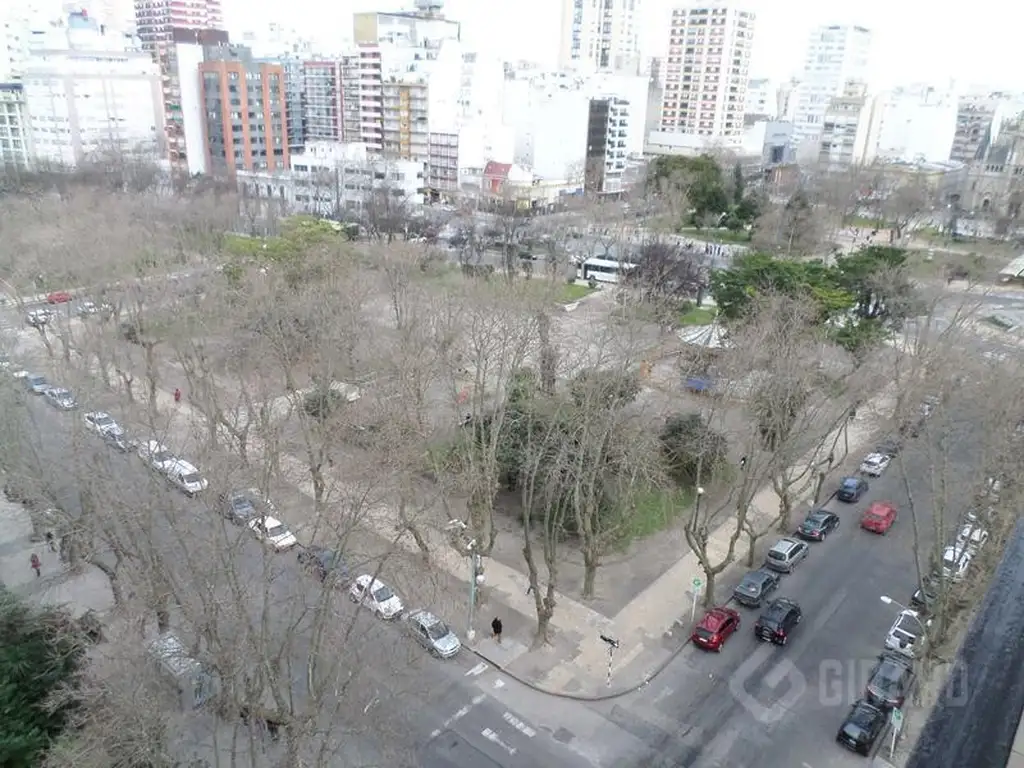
<point>37,318</point>
<point>863,727</point>
<point>875,464</point>
<point>890,447</point>
<point>119,441</point>
<point>755,587</point>
<point>185,477</point>
<point>890,681</point>
<point>907,633</point>
<point>715,628</point>
<point>375,595</point>
<point>851,489</point>
<point>778,620</point>
<point>992,490</point>
<point>926,594</point>
<point>58,297</point>
<point>785,554</point>
<point>101,422</point>
<point>818,525</point>
<point>156,455</point>
<point>324,563</point>
<point>972,537</point>
<point>60,398</point>
<point>272,531</point>
<point>956,561</point>
<point>237,506</point>
<point>432,633</point>
<point>879,517</point>
<point>36,384</point>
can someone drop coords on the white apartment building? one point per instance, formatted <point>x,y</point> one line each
<point>15,137</point>
<point>22,25</point>
<point>917,124</point>
<point>836,54</point>
<point>600,35</point>
<point>606,151</point>
<point>848,130</point>
<point>335,180</point>
<point>762,98</point>
<point>550,113</point>
<point>706,71</point>
<point>82,99</point>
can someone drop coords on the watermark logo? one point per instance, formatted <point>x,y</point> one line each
<point>782,676</point>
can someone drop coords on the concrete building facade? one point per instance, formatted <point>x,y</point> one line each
<point>600,35</point>
<point>916,124</point>
<point>707,70</point>
<point>323,106</point>
<point>155,20</point>
<point>15,133</point>
<point>847,129</point>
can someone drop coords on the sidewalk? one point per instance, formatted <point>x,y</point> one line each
<point>576,663</point>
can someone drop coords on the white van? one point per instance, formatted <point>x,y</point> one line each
<point>195,684</point>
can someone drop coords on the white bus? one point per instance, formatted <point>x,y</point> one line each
<point>604,270</point>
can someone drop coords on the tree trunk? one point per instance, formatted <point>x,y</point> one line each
<point>163,615</point>
<point>818,486</point>
<point>151,377</point>
<point>413,529</point>
<point>113,579</point>
<point>548,356</point>
<point>709,588</point>
<point>591,561</point>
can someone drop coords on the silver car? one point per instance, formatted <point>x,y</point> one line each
<point>60,398</point>
<point>432,633</point>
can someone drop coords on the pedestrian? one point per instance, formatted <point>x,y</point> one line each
<point>50,541</point>
<point>36,566</point>
<point>495,628</point>
<point>529,588</point>
<point>177,395</point>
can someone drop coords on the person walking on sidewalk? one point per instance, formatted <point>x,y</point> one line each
<point>177,395</point>
<point>496,629</point>
<point>36,565</point>
<point>50,541</point>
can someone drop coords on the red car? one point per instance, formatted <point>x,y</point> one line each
<point>714,629</point>
<point>58,297</point>
<point>879,517</point>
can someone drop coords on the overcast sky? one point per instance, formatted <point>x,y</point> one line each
<point>915,40</point>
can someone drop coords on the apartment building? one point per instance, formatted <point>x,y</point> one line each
<point>156,20</point>
<point>84,98</point>
<point>847,128</point>
<point>244,112</point>
<point>335,180</point>
<point>323,104</point>
<point>600,35</point>
<point>836,54</point>
<point>295,101</point>
<point>707,70</point>
<point>423,28</point>
<point>606,154</point>
<point>15,135</point>
<point>762,99</point>
<point>406,118</point>
<point>917,124</point>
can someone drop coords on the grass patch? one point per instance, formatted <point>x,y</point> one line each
<point>737,237</point>
<point>658,509</point>
<point>698,316</point>
<point>574,292</point>
<point>865,222</point>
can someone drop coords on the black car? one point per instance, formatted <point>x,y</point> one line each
<point>890,446</point>
<point>755,587</point>
<point>324,563</point>
<point>851,489</point>
<point>237,507</point>
<point>926,595</point>
<point>777,621</point>
<point>817,525</point>
<point>890,681</point>
<point>863,727</point>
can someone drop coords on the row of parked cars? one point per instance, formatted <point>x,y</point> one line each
<point>893,675</point>
<point>257,513</point>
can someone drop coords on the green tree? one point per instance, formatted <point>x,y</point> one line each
<point>876,276</point>
<point>700,180</point>
<point>691,448</point>
<point>738,185</point>
<point>42,653</point>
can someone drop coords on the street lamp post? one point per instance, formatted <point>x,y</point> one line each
<point>612,644</point>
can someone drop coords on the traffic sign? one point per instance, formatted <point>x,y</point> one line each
<point>697,583</point>
<point>897,719</point>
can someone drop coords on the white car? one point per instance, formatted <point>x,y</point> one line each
<point>272,531</point>
<point>955,562</point>
<point>184,477</point>
<point>972,538</point>
<point>156,455</point>
<point>102,423</point>
<point>906,635</point>
<point>992,490</point>
<point>875,464</point>
<point>377,596</point>
<point>60,398</point>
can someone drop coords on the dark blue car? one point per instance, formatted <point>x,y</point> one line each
<point>852,488</point>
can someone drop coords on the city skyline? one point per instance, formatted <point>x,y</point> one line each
<point>940,48</point>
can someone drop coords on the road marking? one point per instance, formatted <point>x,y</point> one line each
<point>519,725</point>
<point>495,737</point>
<point>662,695</point>
<point>499,683</point>
<point>479,669</point>
<point>435,733</point>
<point>463,711</point>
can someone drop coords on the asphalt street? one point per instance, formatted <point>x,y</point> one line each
<point>757,704</point>
<point>403,707</point>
